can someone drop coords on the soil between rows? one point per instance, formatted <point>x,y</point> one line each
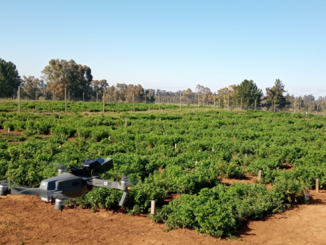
<point>28,220</point>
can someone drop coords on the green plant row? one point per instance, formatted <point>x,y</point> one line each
<point>166,153</point>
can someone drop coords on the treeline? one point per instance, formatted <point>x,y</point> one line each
<point>61,76</point>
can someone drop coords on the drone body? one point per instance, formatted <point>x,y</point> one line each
<point>72,185</point>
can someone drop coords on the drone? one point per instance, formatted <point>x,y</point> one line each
<point>72,185</point>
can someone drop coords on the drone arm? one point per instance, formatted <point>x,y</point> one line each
<point>107,184</point>
<point>111,184</point>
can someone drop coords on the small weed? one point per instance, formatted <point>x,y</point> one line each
<point>44,241</point>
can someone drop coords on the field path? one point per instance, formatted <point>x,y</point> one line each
<point>28,220</point>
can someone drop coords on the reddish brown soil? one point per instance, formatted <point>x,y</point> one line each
<point>248,179</point>
<point>5,131</point>
<point>28,220</point>
<point>171,196</point>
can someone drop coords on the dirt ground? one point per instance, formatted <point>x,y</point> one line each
<point>28,220</point>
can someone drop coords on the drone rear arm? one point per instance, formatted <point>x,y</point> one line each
<point>111,184</point>
<point>107,184</point>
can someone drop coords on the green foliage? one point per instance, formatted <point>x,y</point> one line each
<point>9,79</point>
<point>211,145</point>
<point>249,93</point>
<point>59,106</point>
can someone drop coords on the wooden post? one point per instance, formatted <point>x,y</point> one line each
<point>180,101</point>
<point>35,94</point>
<point>198,99</point>
<point>152,206</point>
<point>175,146</point>
<point>317,185</point>
<point>133,101</point>
<point>126,123</point>
<point>255,104</point>
<point>83,96</point>
<point>228,100</point>
<point>259,175</point>
<point>145,97</point>
<point>103,102</point>
<point>96,97</point>
<point>219,102</point>
<point>66,100</point>
<point>158,97</point>
<point>19,108</point>
<point>214,101</point>
<point>241,103</point>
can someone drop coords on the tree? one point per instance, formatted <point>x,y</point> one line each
<point>290,99</point>
<point>275,95</point>
<point>99,86</point>
<point>200,90</point>
<point>121,91</point>
<point>111,92</point>
<point>187,94</point>
<point>61,74</point>
<point>227,93</point>
<point>32,87</point>
<point>149,93</point>
<point>249,92</point>
<point>136,92</point>
<point>9,79</point>
<point>309,98</point>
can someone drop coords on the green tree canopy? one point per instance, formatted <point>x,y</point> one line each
<point>32,87</point>
<point>61,73</point>
<point>149,94</point>
<point>249,92</point>
<point>99,86</point>
<point>9,79</point>
<point>275,95</point>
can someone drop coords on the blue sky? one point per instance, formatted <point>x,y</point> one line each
<point>173,45</point>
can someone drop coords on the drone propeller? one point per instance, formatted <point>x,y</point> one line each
<point>127,179</point>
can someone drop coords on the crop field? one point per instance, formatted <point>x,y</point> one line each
<point>179,159</point>
<point>72,106</point>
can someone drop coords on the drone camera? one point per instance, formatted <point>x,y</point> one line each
<point>89,165</point>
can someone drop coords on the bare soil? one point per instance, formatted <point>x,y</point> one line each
<point>5,131</point>
<point>28,220</point>
<point>247,179</point>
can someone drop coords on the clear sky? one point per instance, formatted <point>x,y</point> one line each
<point>175,44</point>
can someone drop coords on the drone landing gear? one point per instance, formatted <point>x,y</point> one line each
<point>59,204</point>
